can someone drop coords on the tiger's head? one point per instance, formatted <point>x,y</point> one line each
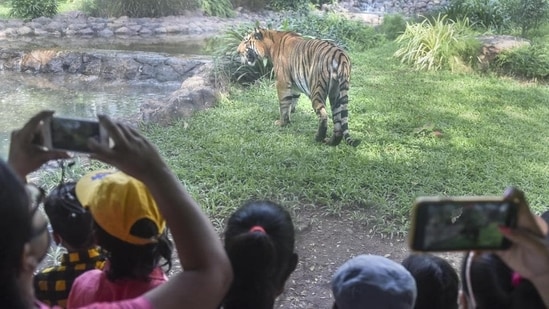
<point>252,47</point>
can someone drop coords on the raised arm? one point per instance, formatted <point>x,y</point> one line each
<point>207,272</point>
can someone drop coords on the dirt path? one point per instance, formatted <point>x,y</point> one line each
<point>325,242</point>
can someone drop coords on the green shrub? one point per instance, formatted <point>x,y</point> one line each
<point>252,5</point>
<point>494,15</point>
<point>392,26</point>
<point>289,5</point>
<point>529,15</point>
<point>437,44</point>
<point>138,8</point>
<point>347,33</point>
<point>29,9</point>
<point>221,8</point>
<point>526,62</point>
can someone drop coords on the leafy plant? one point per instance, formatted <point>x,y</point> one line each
<point>526,62</point>
<point>289,5</point>
<point>392,26</point>
<point>529,14</point>
<point>29,9</point>
<point>138,8</point>
<point>221,8</point>
<point>437,44</point>
<point>494,15</point>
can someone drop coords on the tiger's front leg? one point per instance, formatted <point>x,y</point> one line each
<point>286,100</point>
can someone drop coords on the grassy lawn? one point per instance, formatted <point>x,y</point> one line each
<point>493,134</point>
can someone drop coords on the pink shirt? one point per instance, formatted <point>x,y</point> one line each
<point>136,303</point>
<point>93,286</point>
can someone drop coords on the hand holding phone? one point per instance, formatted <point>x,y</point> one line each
<point>72,134</point>
<point>461,223</point>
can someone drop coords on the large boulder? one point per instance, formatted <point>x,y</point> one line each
<point>196,93</point>
<point>493,45</point>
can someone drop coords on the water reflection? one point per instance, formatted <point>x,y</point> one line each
<point>23,95</point>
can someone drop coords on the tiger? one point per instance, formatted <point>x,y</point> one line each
<point>317,68</point>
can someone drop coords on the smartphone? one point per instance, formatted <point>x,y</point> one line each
<point>72,134</point>
<point>461,223</point>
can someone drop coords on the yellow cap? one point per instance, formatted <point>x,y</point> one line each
<point>116,202</point>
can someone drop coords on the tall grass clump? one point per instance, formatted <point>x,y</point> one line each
<point>221,8</point>
<point>438,43</point>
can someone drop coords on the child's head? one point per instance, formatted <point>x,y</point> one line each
<point>260,241</point>
<point>128,224</point>
<point>72,224</point>
<point>373,281</point>
<point>487,282</point>
<point>436,280</point>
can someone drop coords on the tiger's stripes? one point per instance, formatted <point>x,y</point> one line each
<point>317,68</point>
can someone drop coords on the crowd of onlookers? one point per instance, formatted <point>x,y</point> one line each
<point>114,224</point>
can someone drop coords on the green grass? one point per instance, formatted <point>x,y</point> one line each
<point>63,6</point>
<point>494,134</point>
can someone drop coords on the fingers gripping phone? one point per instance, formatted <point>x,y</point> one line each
<point>461,223</point>
<point>72,134</point>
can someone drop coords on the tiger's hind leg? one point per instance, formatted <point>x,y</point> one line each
<point>318,99</point>
<point>340,116</point>
<point>288,100</point>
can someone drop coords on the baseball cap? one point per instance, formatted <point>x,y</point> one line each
<point>373,281</point>
<point>117,202</point>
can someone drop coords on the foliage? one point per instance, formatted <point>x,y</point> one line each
<point>289,5</point>
<point>437,44</point>
<point>252,5</point>
<point>527,62</point>
<point>347,33</point>
<point>494,15</point>
<point>29,9</point>
<point>392,26</point>
<point>221,8</point>
<point>529,14</point>
<point>138,8</point>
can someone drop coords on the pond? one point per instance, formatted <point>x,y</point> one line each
<point>22,95</point>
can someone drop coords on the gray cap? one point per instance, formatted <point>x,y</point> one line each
<point>373,281</point>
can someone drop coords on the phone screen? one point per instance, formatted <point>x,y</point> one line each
<point>73,134</point>
<point>450,225</point>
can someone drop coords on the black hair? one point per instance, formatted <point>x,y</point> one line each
<point>68,218</point>
<point>492,284</point>
<point>262,260</point>
<point>16,226</point>
<point>129,261</point>
<point>436,280</point>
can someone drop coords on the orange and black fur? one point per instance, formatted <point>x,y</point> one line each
<point>317,68</point>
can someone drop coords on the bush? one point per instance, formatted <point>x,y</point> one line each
<point>526,62</point>
<point>138,8</point>
<point>392,26</point>
<point>29,9</point>
<point>438,44</point>
<point>289,5</point>
<point>330,26</point>
<point>494,15</point>
<point>529,14</point>
<point>221,8</point>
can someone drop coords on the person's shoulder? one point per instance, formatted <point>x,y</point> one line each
<point>88,278</point>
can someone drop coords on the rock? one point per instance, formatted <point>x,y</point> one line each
<point>196,93</point>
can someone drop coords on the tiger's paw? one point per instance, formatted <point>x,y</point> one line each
<point>281,123</point>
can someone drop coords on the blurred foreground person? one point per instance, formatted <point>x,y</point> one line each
<point>259,240</point>
<point>207,274</point>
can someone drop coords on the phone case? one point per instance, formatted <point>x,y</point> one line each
<point>460,223</point>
